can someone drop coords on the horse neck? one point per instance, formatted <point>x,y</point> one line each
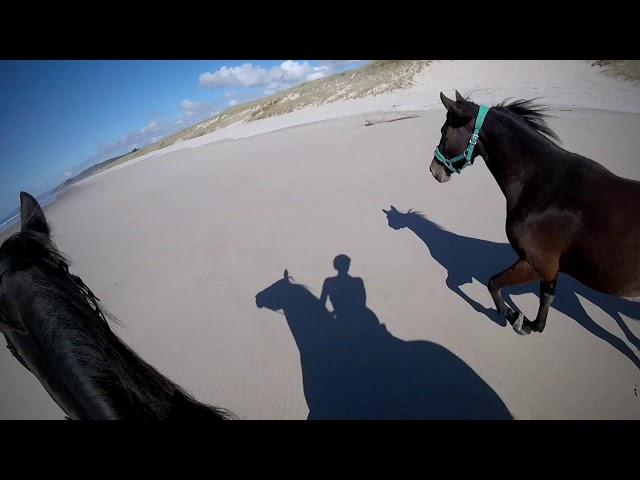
<point>515,154</point>
<point>90,357</point>
<point>429,232</point>
<point>308,320</point>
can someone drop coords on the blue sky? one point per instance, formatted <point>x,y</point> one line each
<point>59,117</point>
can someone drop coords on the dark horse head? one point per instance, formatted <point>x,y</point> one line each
<point>457,130</point>
<point>56,328</point>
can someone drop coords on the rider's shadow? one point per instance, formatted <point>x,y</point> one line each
<point>466,258</point>
<point>347,296</point>
<point>354,368</point>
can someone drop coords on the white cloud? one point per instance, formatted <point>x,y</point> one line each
<point>315,76</point>
<point>192,112</point>
<point>195,111</point>
<point>189,106</point>
<point>230,94</point>
<point>151,127</point>
<point>278,77</point>
<point>243,76</point>
<point>232,102</point>
<point>140,138</point>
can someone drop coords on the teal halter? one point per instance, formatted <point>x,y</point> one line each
<point>468,153</point>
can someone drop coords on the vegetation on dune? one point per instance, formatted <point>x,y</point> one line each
<point>624,69</point>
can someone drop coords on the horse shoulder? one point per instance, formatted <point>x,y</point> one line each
<point>542,237</point>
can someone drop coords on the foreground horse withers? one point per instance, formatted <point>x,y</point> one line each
<point>56,329</point>
<point>565,212</point>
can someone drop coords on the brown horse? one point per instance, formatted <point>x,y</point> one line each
<point>565,212</point>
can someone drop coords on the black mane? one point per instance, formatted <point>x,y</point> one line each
<point>43,251</point>
<point>534,115</point>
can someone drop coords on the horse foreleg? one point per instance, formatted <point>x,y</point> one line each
<point>519,273</point>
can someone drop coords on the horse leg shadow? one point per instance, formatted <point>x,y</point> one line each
<point>570,306</point>
<point>625,329</point>
<point>490,313</point>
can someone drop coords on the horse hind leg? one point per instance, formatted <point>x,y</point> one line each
<point>547,294</point>
<point>520,273</point>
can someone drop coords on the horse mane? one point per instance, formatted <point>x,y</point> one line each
<point>534,115</point>
<point>418,215</point>
<point>53,257</point>
<point>307,293</point>
<point>306,296</point>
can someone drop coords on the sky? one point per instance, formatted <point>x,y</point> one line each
<point>59,117</point>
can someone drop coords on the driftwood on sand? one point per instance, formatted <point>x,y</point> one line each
<point>374,122</point>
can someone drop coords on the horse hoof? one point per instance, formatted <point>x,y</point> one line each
<point>518,325</point>
<point>536,328</point>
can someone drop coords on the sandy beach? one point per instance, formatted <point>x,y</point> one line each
<point>178,243</point>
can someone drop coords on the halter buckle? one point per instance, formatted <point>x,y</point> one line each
<point>474,139</point>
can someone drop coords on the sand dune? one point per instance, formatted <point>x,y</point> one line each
<point>178,246</point>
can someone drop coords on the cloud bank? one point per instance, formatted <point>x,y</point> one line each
<point>273,79</point>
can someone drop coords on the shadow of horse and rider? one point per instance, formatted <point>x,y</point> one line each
<point>353,368</point>
<point>466,258</point>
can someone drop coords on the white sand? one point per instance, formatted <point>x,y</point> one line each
<point>177,247</point>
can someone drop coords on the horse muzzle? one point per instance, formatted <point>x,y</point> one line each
<point>439,172</point>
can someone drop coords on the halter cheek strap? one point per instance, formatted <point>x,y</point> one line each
<point>468,153</point>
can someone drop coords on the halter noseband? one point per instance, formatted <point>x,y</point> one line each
<point>468,153</point>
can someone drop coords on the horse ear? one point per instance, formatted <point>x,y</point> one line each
<point>460,98</point>
<point>394,208</point>
<point>385,211</point>
<point>449,104</point>
<point>31,215</point>
<point>286,274</point>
